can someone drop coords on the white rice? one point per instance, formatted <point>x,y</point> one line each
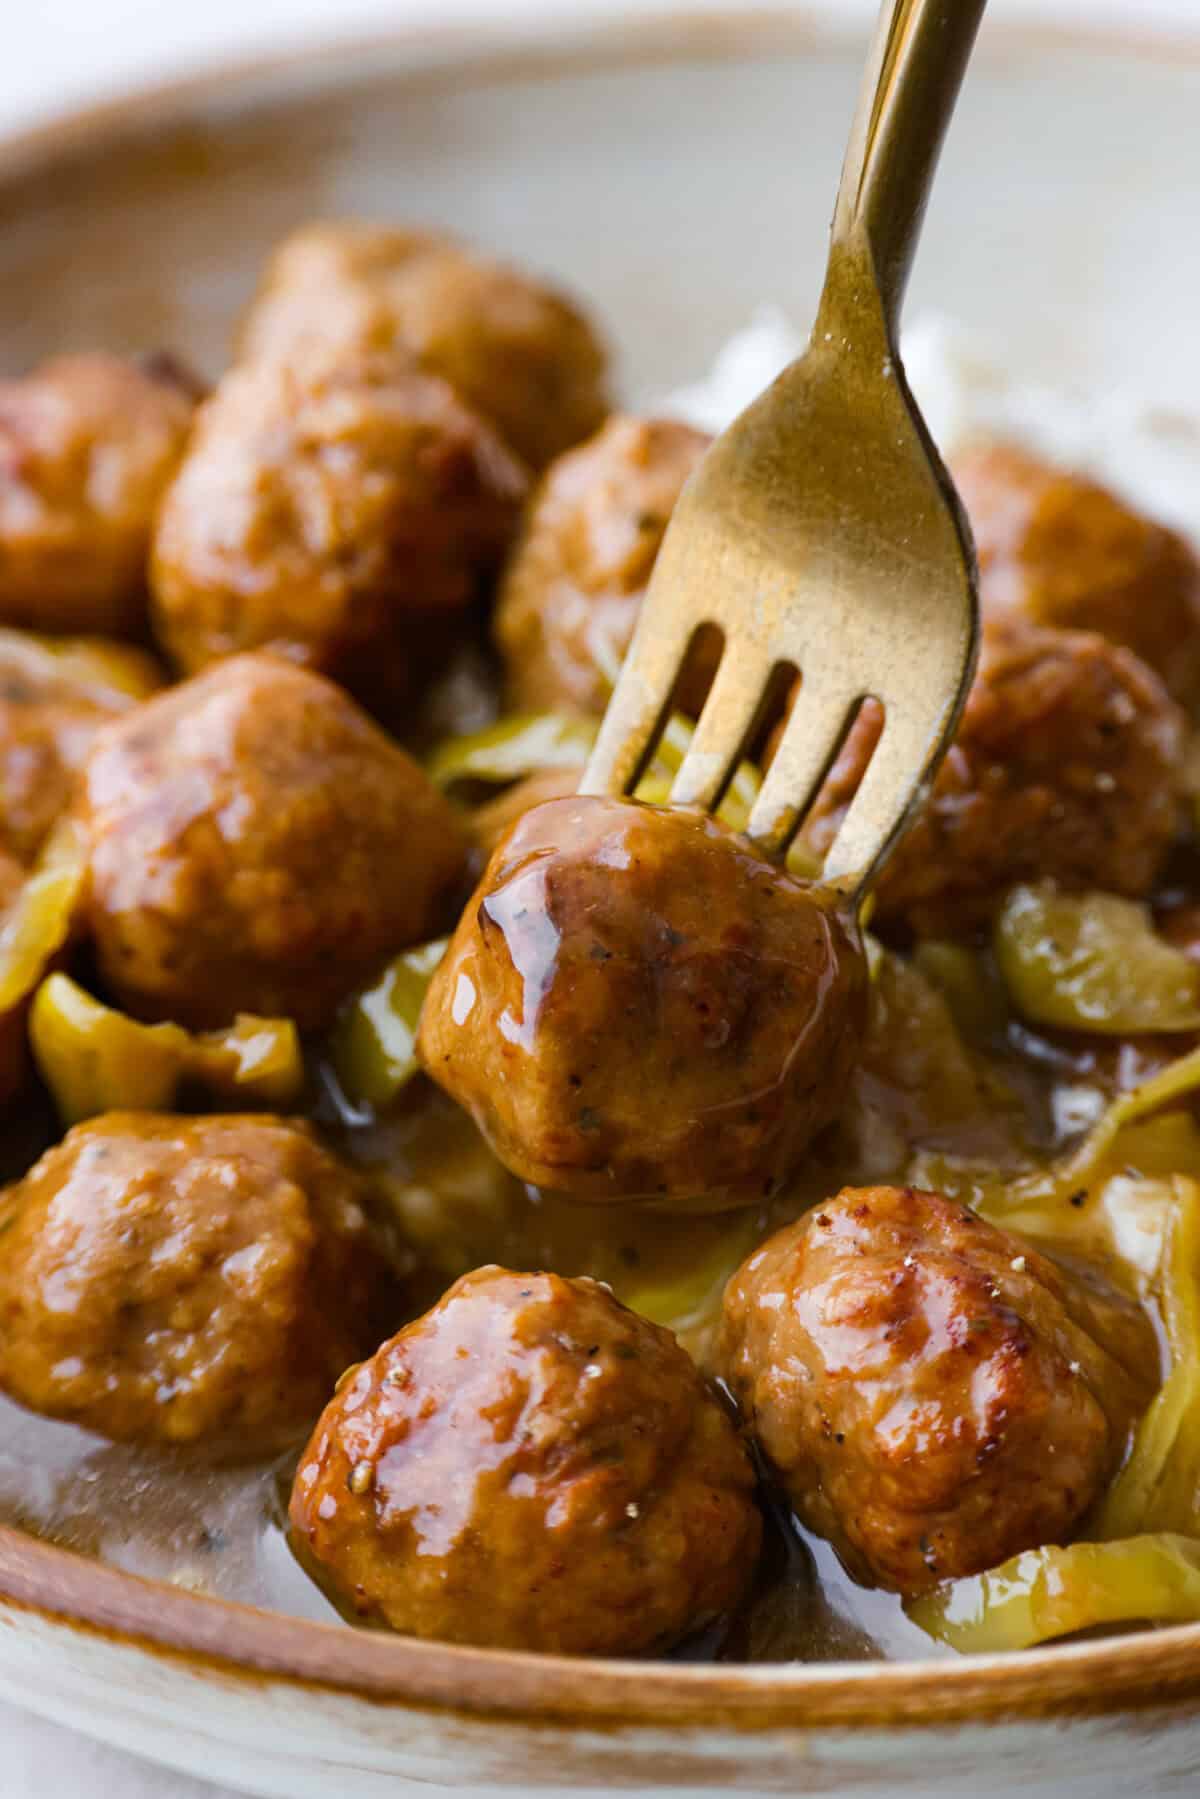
<point>965,390</point>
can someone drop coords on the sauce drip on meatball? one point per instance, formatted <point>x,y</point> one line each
<point>530,1466</point>
<point>636,1004</point>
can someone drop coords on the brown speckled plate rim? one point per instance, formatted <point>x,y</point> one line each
<point>1145,1671</point>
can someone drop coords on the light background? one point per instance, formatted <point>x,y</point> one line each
<point>62,53</point>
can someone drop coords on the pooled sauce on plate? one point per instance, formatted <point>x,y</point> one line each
<point>403,521</point>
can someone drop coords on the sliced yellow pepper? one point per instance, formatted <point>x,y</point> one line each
<point>1035,1203</point>
<point>111,671</point>
<point>1052,1592</point>
<point>523,744</point>
<point>976,1002</point>
<point>95,1059</point>
<point>1159,1487</point>
<point>41,918</point>
<point>672,747</point>
<point>373,1045</point>
<point>1093,962</point>
<point>515,746</point>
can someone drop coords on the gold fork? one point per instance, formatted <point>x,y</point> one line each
<point>821,530</point>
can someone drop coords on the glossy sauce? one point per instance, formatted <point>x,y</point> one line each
<point>219,1531</point>
<point>636,1003</point>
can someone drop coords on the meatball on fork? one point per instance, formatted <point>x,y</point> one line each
<point>636,1004</point>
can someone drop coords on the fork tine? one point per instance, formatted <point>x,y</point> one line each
<point>810,742</point>
<point>723,727</point>
<point>639,701</point>
<point>878,810</point>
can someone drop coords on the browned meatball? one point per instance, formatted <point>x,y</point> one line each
<point>54,697</point>
<point>87,446</point>
<point>519,353</point>
<point>572,590</point>
<point>1062,550</point>
<point>342,514</point>
<point>530,1465</point>
<point>186,1279</point>
<point>636,1005</point>
<point>1067,765</point>
<point>256,844</point>
<point>934,1394</point>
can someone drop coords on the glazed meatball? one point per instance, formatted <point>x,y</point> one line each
<point>636,1005</point>
<point>1062,550</point>
<point>87,446</point>
<point>519,353</point>
<point>1067,765</point>
<point>54,697</point>
<point>934,1395</point>
<point>572,590</point>
<point>531,1466</point>
<point>344,515</point>
<point>256,844</point>
<point>186,1280</point>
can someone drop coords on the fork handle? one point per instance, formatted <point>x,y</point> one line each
<point>913,75</point>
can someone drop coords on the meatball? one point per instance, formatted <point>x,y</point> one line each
<point>571,593</point>
<point>518,353</point>
<point>934,1394</point>
<point>256,844</point>
<point>343,514</point>
<point>530,1466</point>
<point>1062,550</point>
<point>54,697</point>
<point>1067,765</point>
<point>636,1005</point>
<point>87,446</point>
<point>186,1280</point>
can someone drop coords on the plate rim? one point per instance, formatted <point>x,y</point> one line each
<point>65,1589</point>
<point>599,33</point>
